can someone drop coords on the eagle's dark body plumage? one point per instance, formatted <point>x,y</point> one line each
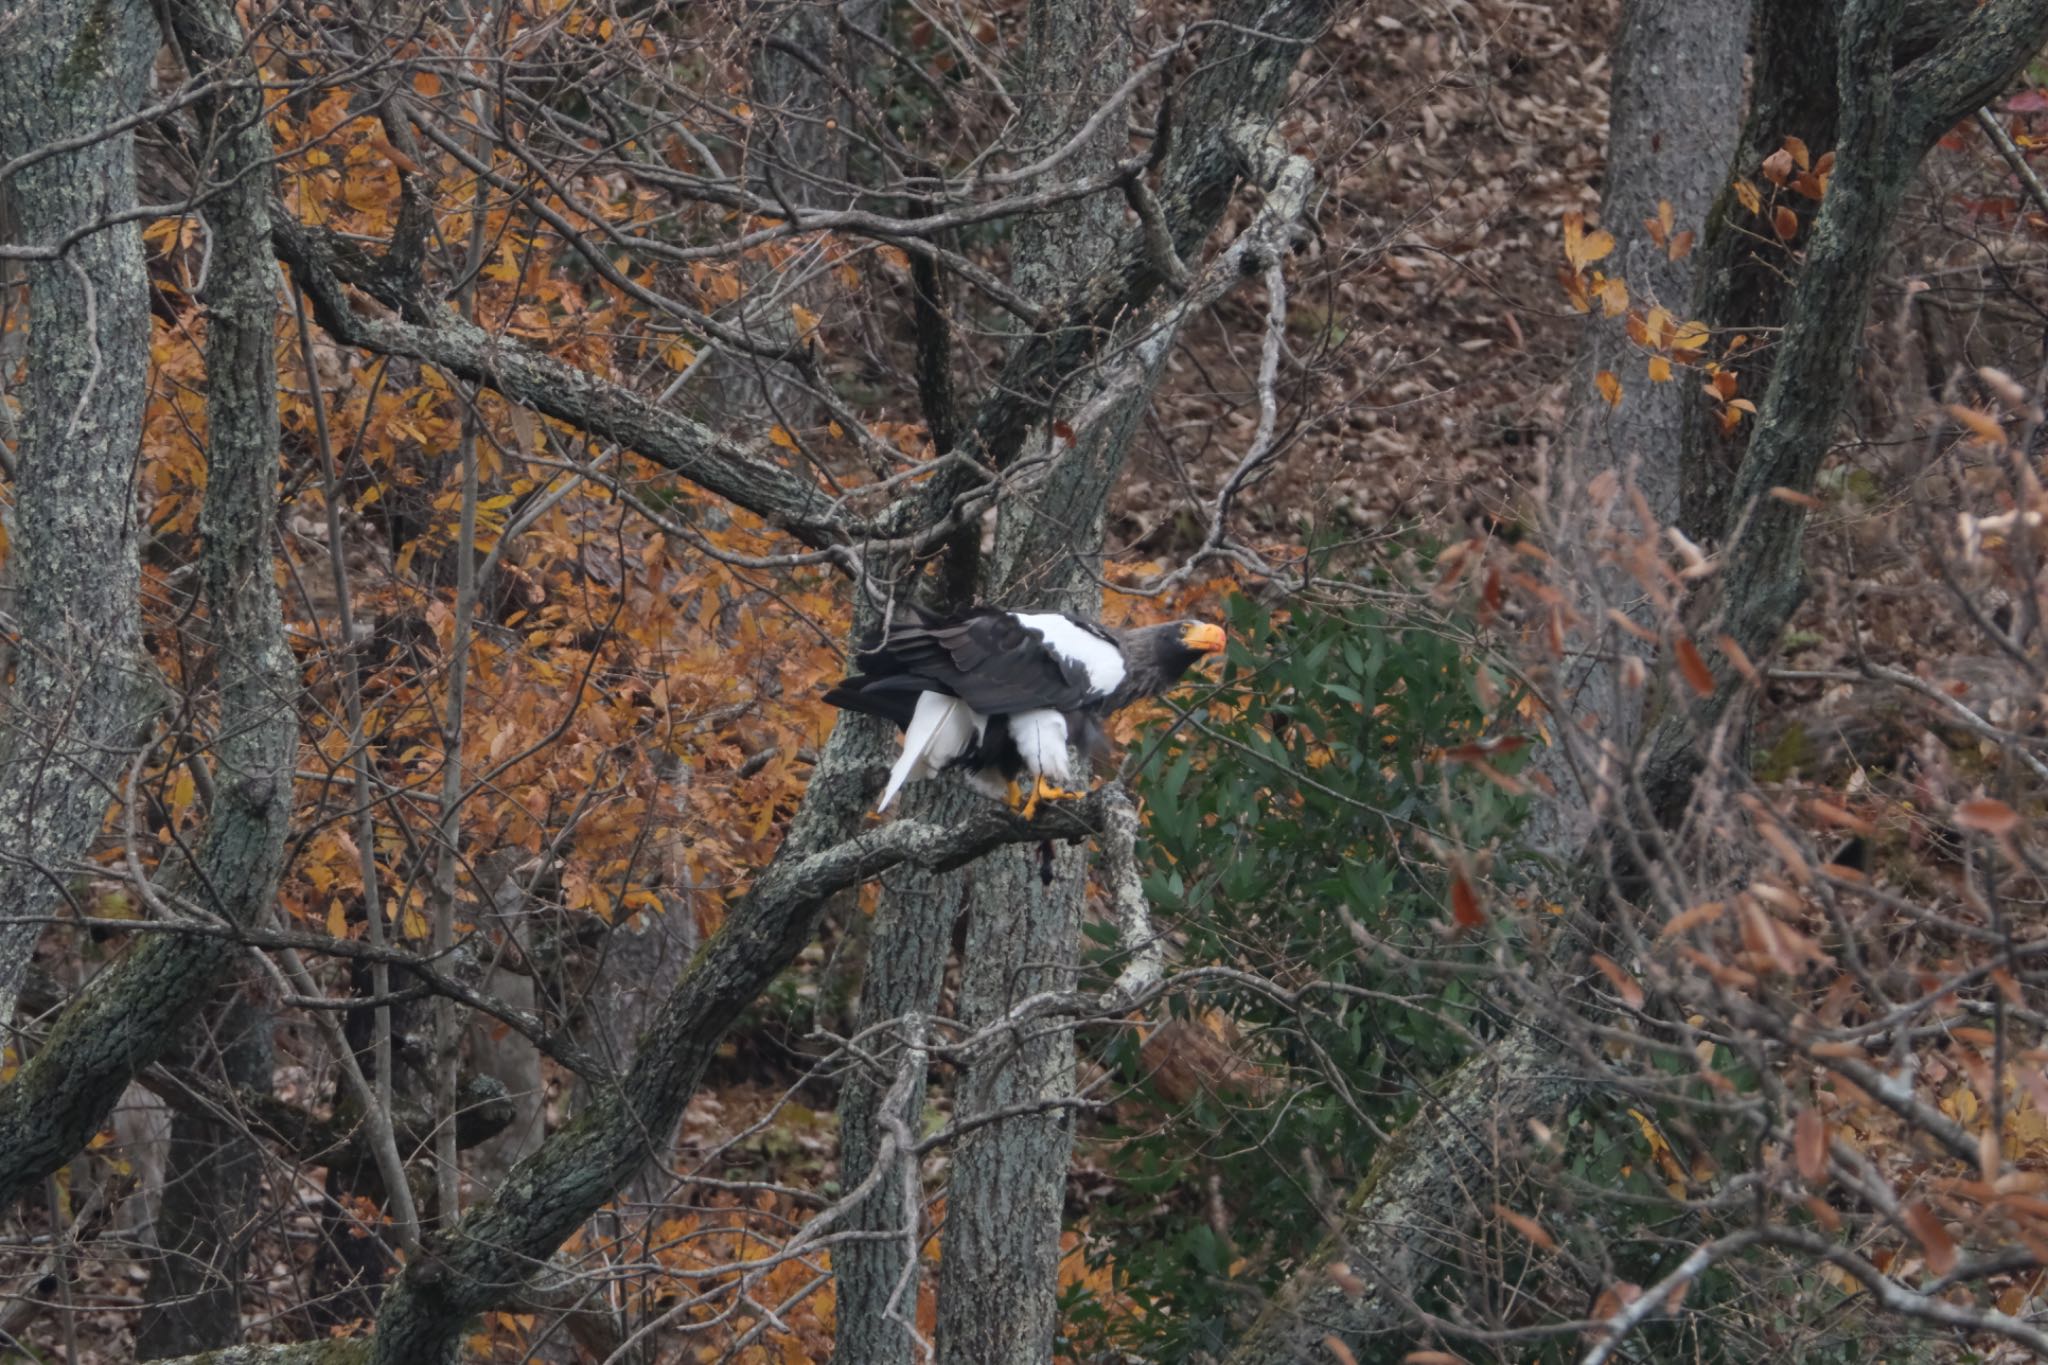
<point>1004,693</point>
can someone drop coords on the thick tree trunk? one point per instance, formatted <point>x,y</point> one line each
<point>1007,1193</point>
<point>131,1012</point>
<point>66,70</point>
<point>1674,105</point>
<point>1005,1204</point>
<point>193,1301</point>
<point>1744,286</point>
<point>875,1304</point>
<point>1888,122</point>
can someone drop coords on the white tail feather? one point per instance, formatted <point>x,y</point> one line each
<point>939,732</point>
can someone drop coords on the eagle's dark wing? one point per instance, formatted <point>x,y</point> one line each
<point>987,658</point>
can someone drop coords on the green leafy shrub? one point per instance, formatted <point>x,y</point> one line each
<point>1305,827</point>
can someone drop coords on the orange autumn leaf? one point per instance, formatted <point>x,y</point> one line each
<point>1935,1242</point>
<point>1692,667</point>
<point>1810,1144</point>
<point>1466,912</point>
<point>1987,816</point>
<point>1531,1230</point>
<point>1609,386</point>
<point>1983,426</point>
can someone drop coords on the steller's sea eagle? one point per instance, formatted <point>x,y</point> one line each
<point>1003,693</point>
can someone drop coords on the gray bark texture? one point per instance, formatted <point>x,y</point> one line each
<point>130,1013</point>
<point>1890,116</point>
<point>1673,110</point>
<point>67,70</point>
<point>193,1301</point>
<point>906,971</point>
<point>1744,288</point>
<point>1006,1201</point>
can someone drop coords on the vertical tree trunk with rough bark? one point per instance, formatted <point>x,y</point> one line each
<point>1890,117</point>
<point>1005,1204</point>
<point>1743,284</point>
<point>132,1011</point>
<point>67,70</point>
<point>875,1307</point>
<point>193,1301</point>
<point>1673,107</point>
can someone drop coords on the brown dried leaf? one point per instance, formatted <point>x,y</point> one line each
<point>1625,986</point>
<point>1810,1144</point>
<point>1466,911</point>
<point>1830,813</point>
<point>1927,1230</point>
<point>1692,667</point>
<point>1530,1229</point>
<point>1983,426</point>
<point>1693,915</point>
<point>1987,816</point>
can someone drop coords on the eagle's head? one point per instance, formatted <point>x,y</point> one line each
<point>1158,656</point>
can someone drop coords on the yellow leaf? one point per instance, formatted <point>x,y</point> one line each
<point>677,356</point>
<point>337,920</point>
<point>1613,297</point>
<point>778,435</point>
<point>1582,248</point>
<point>1690,336</point>
<point>1747,193</point>
<point>1660,370</point>
<point>1610,387</point>
<point>806,321</point>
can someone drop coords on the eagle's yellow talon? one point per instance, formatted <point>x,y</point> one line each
<point>1015,794</point>
<point>1043,790</point>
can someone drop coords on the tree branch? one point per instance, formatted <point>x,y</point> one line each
<point>677,442</point>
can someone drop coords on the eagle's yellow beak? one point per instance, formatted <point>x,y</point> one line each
<point>1204,638</point>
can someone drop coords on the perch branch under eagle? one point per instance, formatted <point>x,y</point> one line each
<point>1003,694</point>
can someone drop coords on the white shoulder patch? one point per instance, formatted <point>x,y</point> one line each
<point>1102,661</point>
